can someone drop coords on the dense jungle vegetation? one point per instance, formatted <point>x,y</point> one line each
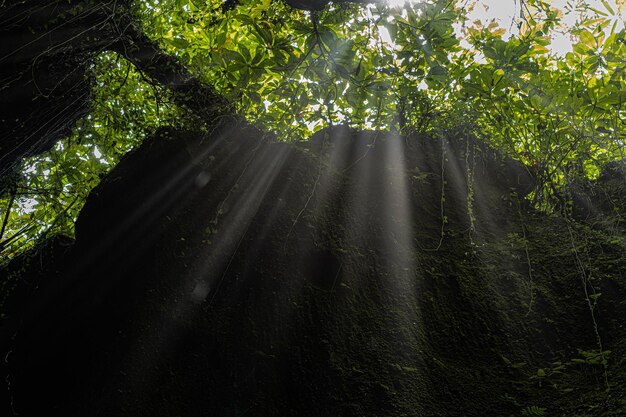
<point>417,66</point>
<point>312,208</point>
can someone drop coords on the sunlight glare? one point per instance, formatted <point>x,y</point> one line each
<point>505,13</point>
<point>401,3</point>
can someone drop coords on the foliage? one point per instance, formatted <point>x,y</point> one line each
<point>564,117</point>
<point>297,72</point>
<point>421,68</point>
<point>391,68</point>
<point>534,411</point>
<point>53,186</point>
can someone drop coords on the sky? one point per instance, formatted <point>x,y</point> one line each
<point>505,10</point>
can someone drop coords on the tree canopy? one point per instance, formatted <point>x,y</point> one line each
<point>418,68</point>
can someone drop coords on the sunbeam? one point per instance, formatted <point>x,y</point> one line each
<point>312,208</point>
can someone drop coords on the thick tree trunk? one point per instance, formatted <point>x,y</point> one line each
<point>45,49</point>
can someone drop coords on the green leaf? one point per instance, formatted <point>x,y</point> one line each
<point>587,38</point>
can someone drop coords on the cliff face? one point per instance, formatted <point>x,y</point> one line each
<point>356,274</point>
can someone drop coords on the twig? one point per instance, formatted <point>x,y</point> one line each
<point>6,214</point>
<point>585,278</point>
<point>306,204</point>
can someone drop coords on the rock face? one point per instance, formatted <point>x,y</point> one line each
<point>356,274</point>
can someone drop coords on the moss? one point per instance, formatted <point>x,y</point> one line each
<point>324,290</point>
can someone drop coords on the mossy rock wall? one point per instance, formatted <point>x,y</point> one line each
<point>355,274</point>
